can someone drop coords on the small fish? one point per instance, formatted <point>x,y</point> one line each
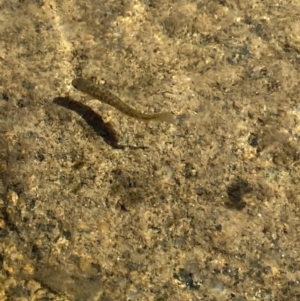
<point>107,97</point>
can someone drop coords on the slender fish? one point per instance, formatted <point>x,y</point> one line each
<point>107,97</point>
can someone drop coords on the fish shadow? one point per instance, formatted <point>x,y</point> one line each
<point>94,120</point>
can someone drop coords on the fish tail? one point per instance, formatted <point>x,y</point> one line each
<point>166,117</point>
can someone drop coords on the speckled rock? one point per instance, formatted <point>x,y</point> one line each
<point>97,206</point>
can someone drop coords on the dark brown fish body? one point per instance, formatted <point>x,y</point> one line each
<point>107,97</point>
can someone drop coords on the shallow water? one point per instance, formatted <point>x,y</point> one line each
<point>99,206</point>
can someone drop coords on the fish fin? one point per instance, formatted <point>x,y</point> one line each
<point>166,117</point>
